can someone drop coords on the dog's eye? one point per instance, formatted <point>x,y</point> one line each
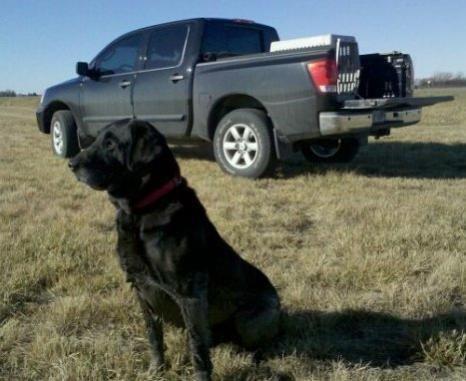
<point>109,145</point>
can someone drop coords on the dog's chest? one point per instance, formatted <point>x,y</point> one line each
<point>153,252</point>
<point>151,275</point>
<point>163,254</point>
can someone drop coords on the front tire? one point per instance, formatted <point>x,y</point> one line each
<point>331,150</point>
<point>64,134</point>
<point>243,144</point>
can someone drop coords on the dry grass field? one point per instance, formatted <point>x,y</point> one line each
<point>368,258</point>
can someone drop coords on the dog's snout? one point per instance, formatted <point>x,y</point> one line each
<point>73,163</point>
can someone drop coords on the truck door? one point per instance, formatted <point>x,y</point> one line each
<point>108,97</point>
<point>161,93</point>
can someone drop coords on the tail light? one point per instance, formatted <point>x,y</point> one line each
<point>324,73</point>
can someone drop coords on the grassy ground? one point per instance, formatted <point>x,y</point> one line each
<point>369,260</point>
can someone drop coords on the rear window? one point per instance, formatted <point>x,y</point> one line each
<point>226,40</point>
<point>166,47</point>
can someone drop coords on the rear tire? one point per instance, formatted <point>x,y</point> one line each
<point>243,144</point>
<point>331,150</point>
<point>64,136</point>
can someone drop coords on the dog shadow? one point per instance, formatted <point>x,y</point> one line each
<point>354,336</point>
<point>377,159</point>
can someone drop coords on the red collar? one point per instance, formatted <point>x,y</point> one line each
<point>156,194</point>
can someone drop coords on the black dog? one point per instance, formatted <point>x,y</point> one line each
<point>183,271</point>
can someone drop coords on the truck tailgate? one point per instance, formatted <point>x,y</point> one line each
<point>370,115</point>
<point>393,103</point>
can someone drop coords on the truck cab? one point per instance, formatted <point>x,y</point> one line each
<point>148,73</point>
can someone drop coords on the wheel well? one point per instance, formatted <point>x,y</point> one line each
<point>228,104</point>
<point>50,110</point>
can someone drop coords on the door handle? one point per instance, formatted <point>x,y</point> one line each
<point>124,84</point>
<point>176,77</point>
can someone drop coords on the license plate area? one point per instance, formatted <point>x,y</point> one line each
<point>378,116</point>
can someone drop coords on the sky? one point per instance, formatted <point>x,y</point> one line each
<point>41,40</point>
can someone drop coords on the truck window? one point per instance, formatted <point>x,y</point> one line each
<point>165,48</point>
<point>225,40</point>
<point>121,56</point>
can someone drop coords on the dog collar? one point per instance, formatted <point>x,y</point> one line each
<point>156,194</point>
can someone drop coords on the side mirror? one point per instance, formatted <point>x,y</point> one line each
<point>82,68</point>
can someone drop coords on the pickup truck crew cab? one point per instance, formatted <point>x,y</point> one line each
<point>232,82</point>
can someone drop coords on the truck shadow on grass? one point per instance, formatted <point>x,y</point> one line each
<point>192,150</point>
<point>377,159</point>
<point>360,337</point>
<point>393,159</point>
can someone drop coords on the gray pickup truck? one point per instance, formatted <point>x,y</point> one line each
<point>234,83</point>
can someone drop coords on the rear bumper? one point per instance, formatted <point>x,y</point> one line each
<point>349,122</point>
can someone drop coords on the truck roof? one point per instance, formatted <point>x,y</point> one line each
<point>204,19</point>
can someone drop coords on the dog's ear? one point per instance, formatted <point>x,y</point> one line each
<point>146,143</point>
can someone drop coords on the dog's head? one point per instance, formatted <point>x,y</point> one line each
<point>123,157</point>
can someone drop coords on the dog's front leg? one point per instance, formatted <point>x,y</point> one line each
<point>155,332</point>
<point>130,252</point>
<point>194,310</point>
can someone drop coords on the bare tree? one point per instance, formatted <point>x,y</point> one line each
<point>444,79</point>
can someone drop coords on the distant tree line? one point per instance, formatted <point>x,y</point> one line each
<point>443,79</point>
<point>7,93</point>
<point>12,93</point>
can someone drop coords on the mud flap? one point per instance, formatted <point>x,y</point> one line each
<point>283,148</point>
